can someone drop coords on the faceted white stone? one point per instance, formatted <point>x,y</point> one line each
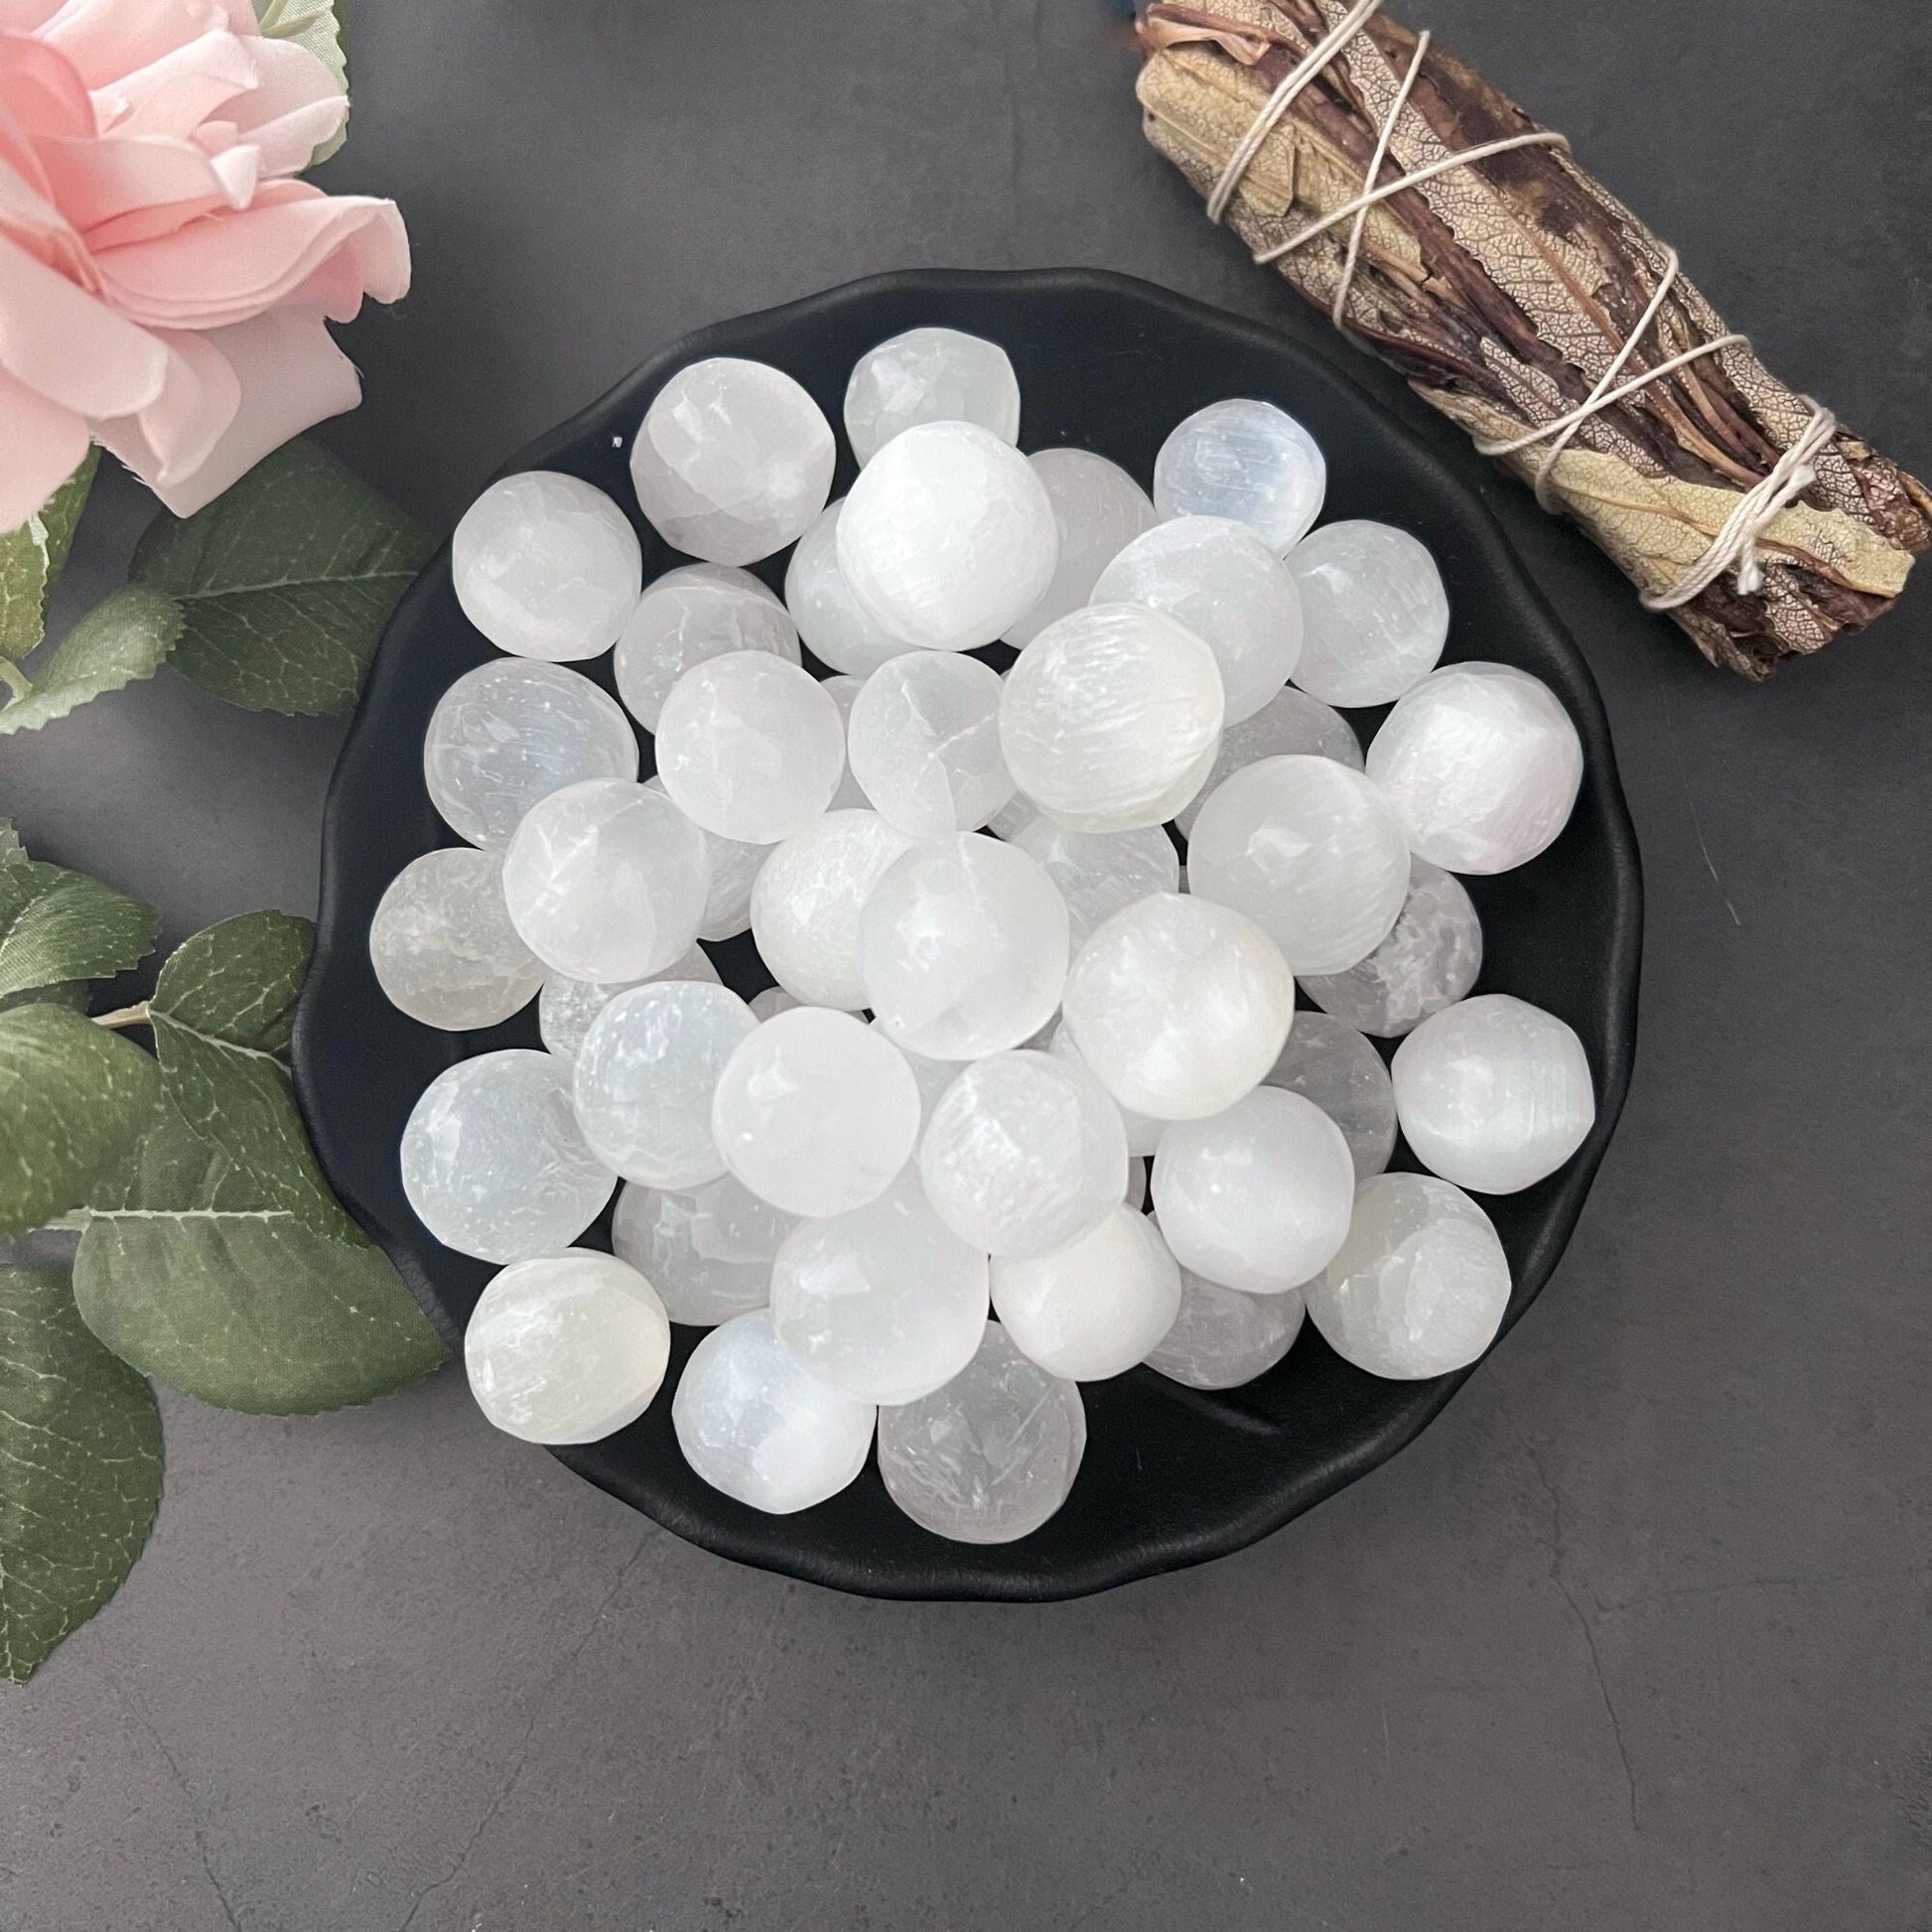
<point>1483,764</point>
<point>930,375</point>
<point>1222,1338</point>
<point>932,1076</point>
<point>1018,810</point>
<point>924,743</point>
<point>606,880</point>
<point>947,537</point>
<point>1311,851</point>
<point>567,1007</point>
<point>546,566</point>
<point>1095,1309</point>
<point>885,1304</point>
<point>567,1349</point>
<point>1290,725</point>
<point>494,1161</point>
<point>512,731</point>
<point>1247,460</point>
<point>1420,1285</point>
<point>750,746</point>
<point>707,1250</point>
<point>644,1075</point>
<point>1375,611</point>
<point>751,1422</point>
<point>1136,1194</point>
<point>1098,510</point>
<point>1223,581</point>
<point>1023,1154</point>
<point>1493,1093</point>
<point>443,946</point>
<point>772,1001</point>
<point>963,948</point>
<point>735,867</point>
<point>1111,717</point>
<point>993,1454</point>
<point>844,692</point>
<point>815,1112</point>
<point>1100,874</point>
<point>688,617</point>
<point>1179,1006</point>
<point>841,632</point>
<point>733,460</point>
<point>807,901</point>
<point>1429,961</point>
<point>1143,1130</point>
<point>1330,1064</point>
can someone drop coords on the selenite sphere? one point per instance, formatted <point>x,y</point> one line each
<point>644,1075</point>
<point>688,617</point>
<point>1247,460</point>
<point>1493,1093</point>
<point>930,375</point>
<point>1257,1197</point>
<point>1111,717</point>
<point>963,947</point>
<point>1330,1064</point>
<point>1290,725</point>
<point>1483,764</point>
<point>707,1250</point>
<point>989,1458</point>
<point>1374,612</point>
<point>1429,961</point>
<point>735,867</point>
<point>947,537</point>
<point>733,460</point>
<point>1100,874</point>
<point>1143,1130</point>
<point>1098,510</point>
<point>1223,581</point>
<point>546,566</point>
<point>1179,1006</point>
<point>443,946</point>
<point>807,901</point>
<point>1023,1154</point>
<point>1311,851</point>
<point>844,692</point>
<point>567,1007</point>
<point>753,1423</point>
<point>567,1349</point>
<point>932,1077</point>
<point>841,632</point>
<point>815,1112</point>
<point>494,1161</point>
<point>1222,1338</point>
<point>512,731</point>
<point>751,747</point>
<point>606,880</point>
<point>924,743</point>
<point>1420,1285</point>
<point>885,1304</point>
<point>1095,1307</point>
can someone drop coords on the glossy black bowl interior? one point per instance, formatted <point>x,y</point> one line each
<point>1171,1476</point>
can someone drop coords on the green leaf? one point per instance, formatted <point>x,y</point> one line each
<point>33,556</point>
<point>286,580</point>
<point>316,25</point>
<point>239,980</point>
<point>74,994</point>
<point>127,635</point>
<point>57,925</point>
<point>79,1468</point>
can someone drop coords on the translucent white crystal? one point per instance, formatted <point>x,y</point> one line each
<point>807,901</point>
<point>1179,1006</point>
<point>1247,460</point>
<point>1223,582</point>
<point>1222,1338</point>
<point>1483,764</point>
<point>947,537</point>
<point>707,1250</point>
<point>546,566</point>
<point>1493,1093</point>
<point>1290,724</point>
<point>1098,508</point>
<point>1136,1194</point>
<point>1330,1064</point>
<point>606,880</point>
<point>751,1422</point>
<point>930,375</point>
<point>772,1001</point>
<point>750,746</point>
<point>512,731</point>
<point>566,1007</point>
<point>644,1075</point>
<point>1101,873</point>
<point>963,948</point>
<point>1420,1285</point>
<point>1311,851</point>
<point>733,460</point>
<point>566,1348</point>
<point>1429,960</point>
<point>1375,613</point>
<point>932,1076</point>
<point>924,743</point>
<point>687,616</point>
<point>841,632</point>
<point>1093,1309</point>
<point>844,692</point>
<point>815,1112</point>
<point>443,946</point>
<point>735,867</point>
<point>1111,717</point>
<point>494,1161</point>
<point>989,1458</point>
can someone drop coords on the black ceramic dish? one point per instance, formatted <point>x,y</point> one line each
<point>1171,1476</point>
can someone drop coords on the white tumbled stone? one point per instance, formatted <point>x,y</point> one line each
<point>688,617</point>
<point>1290,725</point>
<point>443,946</point>
<point>934,1077</point>
<point>1100,874</point>
<point>1143,1130</point>
<point>773,1000</point>
<point>1247,460</point>
<point>1095,1307</point>
<point>924,742</point>
<point>567,1007</point>
<point>930,375</point>
<point>1222,1338</point>
<point>734,868</point>
<point>840,630</point>
<point>844,692</point>
<point>807,901</point>
<point>1098,510</point>
<point>1329,1063</point>
<point>1374,612</point>
<point>1429,960</point>
<point>707,1250</point>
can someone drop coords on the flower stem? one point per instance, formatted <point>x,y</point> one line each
<point>134,1015</point>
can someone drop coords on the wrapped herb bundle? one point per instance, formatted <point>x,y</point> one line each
<point>1521,299</point>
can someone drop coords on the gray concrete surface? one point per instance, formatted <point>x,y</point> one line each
<point>1633,1638</point>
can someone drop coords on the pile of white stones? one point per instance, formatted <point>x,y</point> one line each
<point>997,994</point>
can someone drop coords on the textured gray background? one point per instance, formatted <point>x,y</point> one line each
<point>1634,1637</point>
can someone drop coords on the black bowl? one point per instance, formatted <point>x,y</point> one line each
<point>1171,1476</point>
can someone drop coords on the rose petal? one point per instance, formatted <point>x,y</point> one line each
<point>42,94</point>
<point>97,182</point>
<point>297,105</point>
<point>108,40</point>
<point>172,438</point>
<point>73,348</point>
<point>175,94</point>
<point>44,444</point>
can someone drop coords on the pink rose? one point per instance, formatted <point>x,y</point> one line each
<point>164,282</point>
